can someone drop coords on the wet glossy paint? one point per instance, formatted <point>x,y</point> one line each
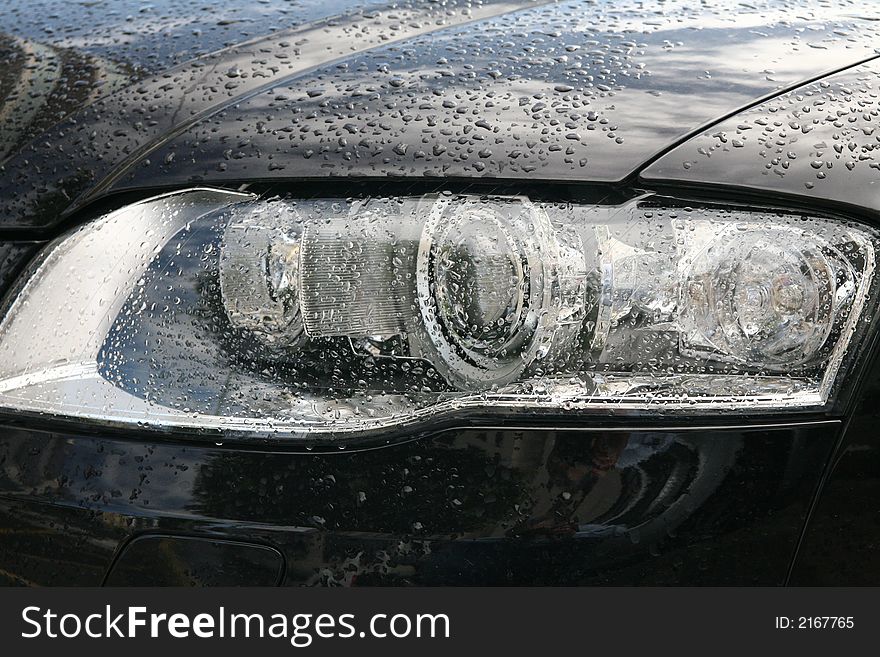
<point>577,91</point>
<point>820,142</point>
<point>488,507</point>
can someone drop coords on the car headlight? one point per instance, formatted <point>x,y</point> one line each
<point>213,310</point>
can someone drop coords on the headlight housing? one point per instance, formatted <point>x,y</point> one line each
<point>217,311</point>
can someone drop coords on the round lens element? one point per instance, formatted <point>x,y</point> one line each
<point>495,294</point>
<point>768,297</point>
<point>481,282</point>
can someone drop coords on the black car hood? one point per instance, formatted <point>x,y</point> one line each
<point>585,91</point>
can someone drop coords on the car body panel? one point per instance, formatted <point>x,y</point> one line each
<point>819,142</point>
<point>500,98</point>
<point>570,92</point>
<point>840,542</point>
<point>466,506</point>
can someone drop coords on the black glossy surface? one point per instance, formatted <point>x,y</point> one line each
<point>820,142</point>
<point>715,506</point>
<point>13,257</point>
<point>841,546</point>
<point>81,156</point>
<point>163,560</point>
<point>578,91</point>
<point>563,92</point>
<point>143,38</point>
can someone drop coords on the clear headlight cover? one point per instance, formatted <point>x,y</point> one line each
<point>212,310</point>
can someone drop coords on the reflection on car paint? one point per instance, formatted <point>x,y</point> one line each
<point>471,506</point>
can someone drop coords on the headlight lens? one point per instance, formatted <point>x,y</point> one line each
<point>214,310</point>
<point>768,296</point>
<point>496,291</point>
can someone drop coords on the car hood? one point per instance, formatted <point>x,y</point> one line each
<point>103,98</point>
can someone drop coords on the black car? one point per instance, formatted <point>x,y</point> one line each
<point>439,292</point>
